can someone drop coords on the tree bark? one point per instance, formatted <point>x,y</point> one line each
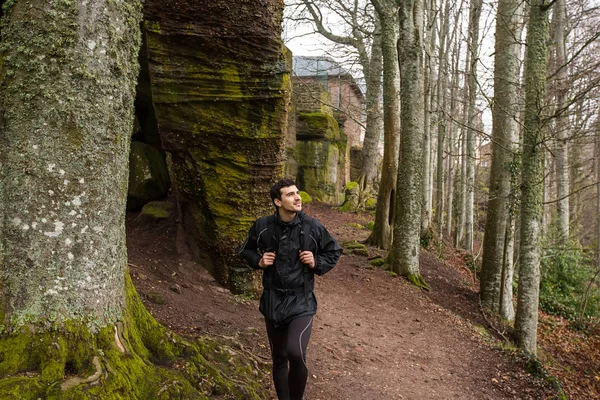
<point>504,139</point>
<point>404,255</point>
<point>384,214</point>
<point>559,92</point>
<point>532,178</point>
<point>442,117</point>
<point>71,323</point>
<point>428,80</point>
<point>474,18</point>
<point>368,172</point>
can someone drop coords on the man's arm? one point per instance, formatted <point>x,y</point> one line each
<point>329,251</point>
<point>249,250</point>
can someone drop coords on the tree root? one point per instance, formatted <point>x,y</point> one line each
<point>418,281</point>
<point>76,381</point>
<point>137,358</point>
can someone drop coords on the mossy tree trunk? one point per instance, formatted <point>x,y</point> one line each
<point>71,323</point>
<point>526,319</point>
<point>221,89</point>
<point>504,139</point>
<point>404,254</point>
<point>384,215</point>
<point>559,91</point>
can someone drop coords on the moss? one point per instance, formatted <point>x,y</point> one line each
<point>306,198</point>
<point>354,247</point>
<point>371,225</point>
<point>418,281</point>
<point>352,186</point>
<point>146,361</point>
<point>377,262</point>
<point>370,204</point>
<point>155,210</point>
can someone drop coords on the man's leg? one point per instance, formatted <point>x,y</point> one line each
<point>278,339</point>
<point>298,335</point>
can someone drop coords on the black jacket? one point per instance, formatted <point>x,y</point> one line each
<point>288,284</point>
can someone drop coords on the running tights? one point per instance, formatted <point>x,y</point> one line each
<point>288,348</point>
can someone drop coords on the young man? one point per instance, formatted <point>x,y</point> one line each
<point>290,247</point>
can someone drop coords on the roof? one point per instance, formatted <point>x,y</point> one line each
<point>323,67</point>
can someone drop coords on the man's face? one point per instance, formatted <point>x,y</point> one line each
<point>290,199</point>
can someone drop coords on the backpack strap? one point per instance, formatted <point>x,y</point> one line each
<point>264,237</point>
<point>307,224</point>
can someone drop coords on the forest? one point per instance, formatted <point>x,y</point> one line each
<point>452,149</point>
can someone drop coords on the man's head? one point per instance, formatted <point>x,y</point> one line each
<point>286,197</point>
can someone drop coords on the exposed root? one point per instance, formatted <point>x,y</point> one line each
<point>418,281</point>
<point>76,381</point>
<point>118,337</point>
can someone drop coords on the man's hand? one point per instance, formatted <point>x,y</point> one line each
<point>267,260</point>
<point>307,258</point>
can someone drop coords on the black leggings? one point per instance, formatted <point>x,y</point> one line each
<point>288,344</point>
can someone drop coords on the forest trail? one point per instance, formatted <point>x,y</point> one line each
<point>375,336</point>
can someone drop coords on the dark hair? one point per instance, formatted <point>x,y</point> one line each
<point>276,188</point>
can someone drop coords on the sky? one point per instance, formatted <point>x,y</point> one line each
<point>301,40</point>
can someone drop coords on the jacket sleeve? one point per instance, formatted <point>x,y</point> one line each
<point>328,250</point>
<point>249,250</point>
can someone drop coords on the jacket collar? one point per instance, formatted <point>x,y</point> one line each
<point>297,219</point>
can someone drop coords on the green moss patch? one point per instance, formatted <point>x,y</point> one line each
<point>354,247</point>
<point>306,198</point>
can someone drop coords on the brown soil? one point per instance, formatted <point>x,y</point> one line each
<point>375,336</point>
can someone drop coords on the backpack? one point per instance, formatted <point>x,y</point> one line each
<point>266,231</point>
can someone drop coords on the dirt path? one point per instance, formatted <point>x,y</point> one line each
<point>375,336</point>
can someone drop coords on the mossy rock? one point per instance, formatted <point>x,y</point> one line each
<point>377,262</point>
<point>354,247</point>
<point>148,175</point>
<point>371,204</point>
<point>155,211</point>
<point>306,198</point>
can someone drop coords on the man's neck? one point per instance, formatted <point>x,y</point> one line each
<point>286,216</point>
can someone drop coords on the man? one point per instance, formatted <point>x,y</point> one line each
<point>290,247</point>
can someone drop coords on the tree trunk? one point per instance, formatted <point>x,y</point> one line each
<point>442,117</point>
<point>560,91</point>
<point>428,80</point>
<point>384,214</point>
<point>533,155</point>
<point>504,139</point>
<point>368,172</point>
<point>71,323</point>
<point>404,255</point>
<point>452,140</point>
<point>474,18</point>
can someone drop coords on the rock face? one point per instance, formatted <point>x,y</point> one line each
<point>220,87</point>
<point>148,175</point>
<point>320,152</point>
